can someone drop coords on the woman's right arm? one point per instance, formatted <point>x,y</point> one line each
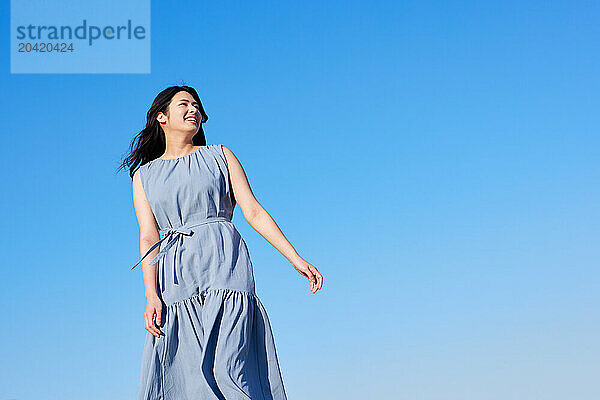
<point>148,236</point>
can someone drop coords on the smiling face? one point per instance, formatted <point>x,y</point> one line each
<point>183,115</point>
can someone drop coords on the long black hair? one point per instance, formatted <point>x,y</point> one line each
<point>150,143</point>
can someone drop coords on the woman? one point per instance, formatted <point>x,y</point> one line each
<point>209,336</point>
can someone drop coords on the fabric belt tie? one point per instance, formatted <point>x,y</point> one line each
<point>172,236</point>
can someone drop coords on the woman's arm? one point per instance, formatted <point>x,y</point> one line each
<point>263,223</point>
<point>148,236</point>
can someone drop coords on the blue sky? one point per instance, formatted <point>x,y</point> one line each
<point>434,160</point>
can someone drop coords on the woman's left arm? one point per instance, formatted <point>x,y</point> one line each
<point>263,223</point>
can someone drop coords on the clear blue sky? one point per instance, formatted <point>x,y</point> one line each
<point>437,161</point>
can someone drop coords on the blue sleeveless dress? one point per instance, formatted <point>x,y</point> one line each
<point>216,340</point>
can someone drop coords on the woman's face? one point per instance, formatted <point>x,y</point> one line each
<point>183,115</point>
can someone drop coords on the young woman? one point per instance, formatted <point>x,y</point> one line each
<point>208,336</point>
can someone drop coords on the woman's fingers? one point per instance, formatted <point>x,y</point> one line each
<point>153,316</point>
<point>312,279</point>
<point>147,324</point>
<point>311,273</point>
<point>317,277</point>
<point>150,325</point>
<point>158,316</point>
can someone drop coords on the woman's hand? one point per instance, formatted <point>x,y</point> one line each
<point>153,308</point>
<point>306,269</point>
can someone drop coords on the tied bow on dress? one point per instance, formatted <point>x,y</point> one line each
<point>172,237</point>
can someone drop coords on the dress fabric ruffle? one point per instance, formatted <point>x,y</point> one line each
<point>217,345</point>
